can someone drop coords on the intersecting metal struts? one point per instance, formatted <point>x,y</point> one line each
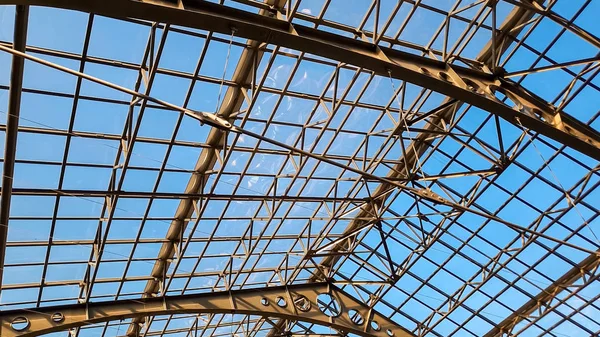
<point>244,75</point>
<point>479,86</point>
<point>563,292</point>
<point>316,303</point>
<point>164,160</point>
<point>414,226</point>
<point>455,301</point>
<point>223,125</point>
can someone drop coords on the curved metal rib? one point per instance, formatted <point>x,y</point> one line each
<point>298,302</point>
<point>477,87</point>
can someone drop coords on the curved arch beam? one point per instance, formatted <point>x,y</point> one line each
<point>300,305</point>
<point>475,86</point>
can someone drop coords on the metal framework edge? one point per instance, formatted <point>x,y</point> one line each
<point>477,87</point>
<point>303,302</point>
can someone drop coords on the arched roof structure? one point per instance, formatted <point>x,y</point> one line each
<point>181,167</point>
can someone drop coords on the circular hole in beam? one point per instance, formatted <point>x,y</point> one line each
<point>538,113</point>
<point>328,305</point>
<point>57,317</point>
<point>20,323</point>
<point>501,95</point>
<point>302,303</point>
<point>356,317</point>
<point>264,301</point>
<point>444,76</point>
<point>375,326</point>
<point>474,87</point>
<point>389,332</point>
<point>281,302</point>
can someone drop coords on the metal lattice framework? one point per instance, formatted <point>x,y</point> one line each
<point>169,164</point>
<point>316,303</point>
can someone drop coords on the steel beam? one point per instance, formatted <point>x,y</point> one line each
<point>585,269</point>
<point>221,124</point>
<point>298,303</point>
<point>12,126</point>
<point>420,144</point>
<point>217,139</point>
<point>477,87</point>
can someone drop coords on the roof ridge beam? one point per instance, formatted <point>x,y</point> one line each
<point>477,87</point>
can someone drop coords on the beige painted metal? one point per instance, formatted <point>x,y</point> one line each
<point>477,87</point>
<point>300,304</point>
<point>232,101</point>
<point>421,142</point>
<point>586,272</point>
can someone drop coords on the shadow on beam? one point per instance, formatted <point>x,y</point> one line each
<point>477,87</point>
<point>303,303</point>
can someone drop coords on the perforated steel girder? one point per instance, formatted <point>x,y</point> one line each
<point>474,86</point>
<point>306,303</point>
<point>586,272</point>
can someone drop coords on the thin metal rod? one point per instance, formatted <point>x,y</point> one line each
<point>12,126</point>
<point>131,92</point>
<point>419,70</point>
<point>220,123</point>
<point>553,67</point>
<point>83,193</point>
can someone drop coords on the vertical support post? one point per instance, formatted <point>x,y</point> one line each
<point>12,126</point>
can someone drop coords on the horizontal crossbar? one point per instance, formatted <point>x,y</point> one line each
<point>477,87</point>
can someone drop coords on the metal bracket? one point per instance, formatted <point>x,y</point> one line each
<point>212,119</point>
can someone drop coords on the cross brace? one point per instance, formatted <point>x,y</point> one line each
<point>222,124</point>
<point>232,102</point>
<point>477,87</point>
<point>296,302</point>
<point>585,269</point>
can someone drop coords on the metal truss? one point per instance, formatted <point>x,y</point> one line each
<point>233,100</point>
<point>317,303</point>
<point>368,216</point>
<point>222,124</point>
<point>478,85</point>
<point>583,274</point>
<point>362,257</point>
<point>410,161</point>
<point>515,22</point>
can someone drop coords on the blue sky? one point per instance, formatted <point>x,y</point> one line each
<point>125,42</point>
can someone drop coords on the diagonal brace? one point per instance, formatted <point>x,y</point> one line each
<point>477,87</point>
<point>220,123</point>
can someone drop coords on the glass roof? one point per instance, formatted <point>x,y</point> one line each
<point>104,182</point>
